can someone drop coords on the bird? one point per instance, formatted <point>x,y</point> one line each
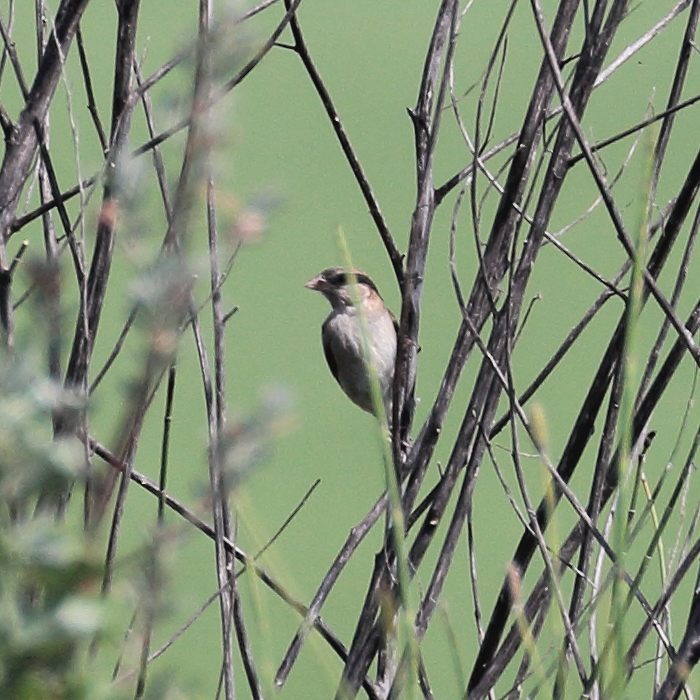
<point>355,302</point>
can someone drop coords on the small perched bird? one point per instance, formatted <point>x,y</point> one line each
<point>342,334</point>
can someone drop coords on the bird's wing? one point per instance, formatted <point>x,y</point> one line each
<point>328,352</point>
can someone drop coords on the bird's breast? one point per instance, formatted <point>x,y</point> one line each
<point>343,339</point>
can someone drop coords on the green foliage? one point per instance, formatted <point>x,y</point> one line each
<point>49,610</point>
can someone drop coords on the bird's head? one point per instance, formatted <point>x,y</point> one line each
<point>343,286</point>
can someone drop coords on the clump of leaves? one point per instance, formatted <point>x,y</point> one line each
<point>49,612</point>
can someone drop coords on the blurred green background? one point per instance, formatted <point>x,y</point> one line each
<point>277,145</point>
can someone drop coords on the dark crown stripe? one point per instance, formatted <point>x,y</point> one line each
<point>343,278</point>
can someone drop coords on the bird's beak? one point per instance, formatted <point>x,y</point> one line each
<point>315,283</point>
